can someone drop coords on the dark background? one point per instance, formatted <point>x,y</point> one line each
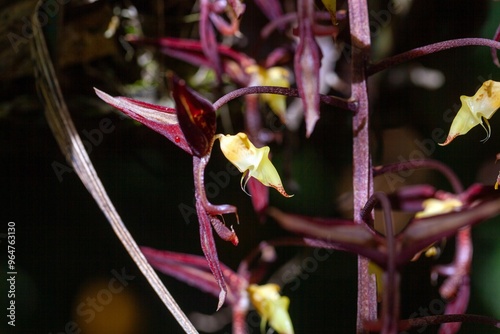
<point>65,249</point>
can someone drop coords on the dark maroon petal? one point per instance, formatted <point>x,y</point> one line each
<point>190,51</point>
<point>337,233</point>
<point>422,232</point>
<point>208,39</point>
<point>193,270</point>
<point>159,118</point>
<point>260,196</point>
<point>196,116</point>
<point>210,251</point>
<point>167,263</point>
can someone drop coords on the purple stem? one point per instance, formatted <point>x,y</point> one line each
<point>494,52</point>
<point>390,305</point>
<point>414,323</point>
<point>429,49</point>
<point>362,175</point>
<point>291,92</point>
<point>423,163</point>
<point>293,17</point>
<point>440,319</point>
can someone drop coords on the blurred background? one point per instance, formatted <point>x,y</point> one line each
<point>66,253</point>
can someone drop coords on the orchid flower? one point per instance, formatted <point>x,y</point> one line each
<point>244,72</point>
<point>271,307</point>
<point>191,126</point>
<point>434,206</point>
<point>251,161</point>
<point>475,109</point>
<point>273,76</point>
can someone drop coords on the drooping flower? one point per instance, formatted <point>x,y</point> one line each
<point>272,307</point>
<point>476,109</point>
<point>250,160</point>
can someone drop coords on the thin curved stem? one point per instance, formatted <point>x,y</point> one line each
<point>422,163</point>
<point>414,323</point>
<point>291,92</point>
<point>429,49</point>
<point>390,305</point>
<point>70,143</point>
<point>293,17</point>
<point>445,318</point>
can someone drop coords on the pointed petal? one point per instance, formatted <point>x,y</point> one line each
<point>196,116</point>
<point>307,65</point>
<point>191,51</point>
<point>335,230</point>
<point>208,39</point>
<point>474,109</point>
<point>210,251</point>
<point>331,6</point>
<point>158,118</point>
<point>179,266</point>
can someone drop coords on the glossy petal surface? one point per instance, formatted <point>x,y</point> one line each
<point>196,116</point>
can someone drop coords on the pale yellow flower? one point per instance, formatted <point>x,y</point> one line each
<point>272,307</point>
<point>273,76</point>
<point>250,160</point>
<point>433,206</point>
<point>476,109</point>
